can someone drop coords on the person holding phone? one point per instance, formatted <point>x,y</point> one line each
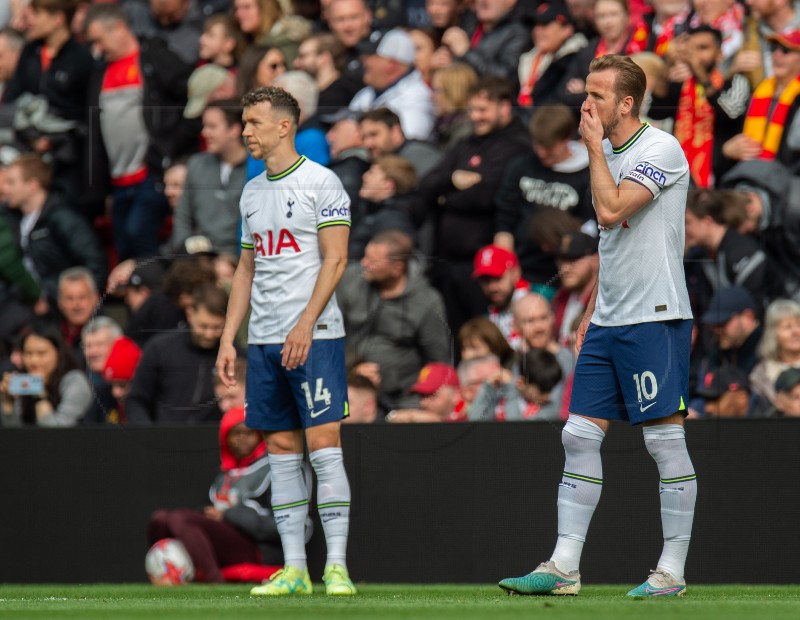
<point>51,390</point>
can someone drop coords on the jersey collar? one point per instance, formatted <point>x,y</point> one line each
<point>632,139</point>
<point>288,171</point>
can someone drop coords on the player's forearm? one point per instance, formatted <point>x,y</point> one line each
<point>328,279</point>
<point>238,303</point>
<point>587,314</point>
<point>607,203</point>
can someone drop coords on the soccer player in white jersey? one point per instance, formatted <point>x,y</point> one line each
<point>295,225</point>
<point>633,342</point>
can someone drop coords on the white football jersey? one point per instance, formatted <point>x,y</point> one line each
<point>641,260</point>
<point>281,216</point>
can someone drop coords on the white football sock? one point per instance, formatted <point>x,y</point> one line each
<point>579,490</point>
<point>333,501</point>
<point>666,443</point>
<point>290,506</point>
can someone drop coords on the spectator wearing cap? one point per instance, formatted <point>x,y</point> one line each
<point>382,134</point>
<point>439,395</point>
<point>493,45</point>
<point>734,321</point>
<point>150,310</point>
<point>770,16</point>
<point>392,81</point>
<point>209,205</point>
<point>772,125</point>
<point>555,44</point>
<point>118,371</point>
<point>720,256</point>
<point>393,317</point>
<point>137,102</point>
<point>386,202</point>
<point>11,43</point>
<point>208,83</point>
<point>779,349</point>
<point>323,57</point>
<point>461,190</point>
<point>787,394</point>
<point>726,393</point>
<point>553,176</point>
<point>349,159</point>
<point>578,265</point>
<point>500,278</point>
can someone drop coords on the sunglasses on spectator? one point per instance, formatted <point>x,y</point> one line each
<point>774,46</point>
<point>277,65</point>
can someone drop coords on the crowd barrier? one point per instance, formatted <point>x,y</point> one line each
<point>431,503</point>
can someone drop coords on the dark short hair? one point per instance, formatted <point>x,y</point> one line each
<point>230,108</point>
<point>34,167</point>
<point>16,39</point>
<point>551,124</point>
<point>539,367</point>
<point>67,7</point>
<point>494,88</point>
<point>212,298</point>
<point>360,382</point>
<point>629,81</point>
<point>707,203</point>
<point>381,115</point>
<point>400,244</point>
<point>104,12</point>
<point>277,97</point>
<point>706,29</point>
<point>328,43</point>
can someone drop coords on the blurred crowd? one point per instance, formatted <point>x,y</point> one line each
<point>452,125</point>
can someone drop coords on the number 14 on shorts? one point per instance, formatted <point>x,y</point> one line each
<point>646,389</point>
<point>321,395</point>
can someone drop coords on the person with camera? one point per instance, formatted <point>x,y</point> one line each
<point>51,390</point>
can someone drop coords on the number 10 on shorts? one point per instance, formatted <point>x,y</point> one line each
<point>321,394</point>
<point>646,385</point>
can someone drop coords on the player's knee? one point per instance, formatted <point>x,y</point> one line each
<point>581,435</point>
<point>323,436</point>
<point>660,440</point>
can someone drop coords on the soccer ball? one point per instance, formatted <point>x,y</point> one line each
<point>168,563</point>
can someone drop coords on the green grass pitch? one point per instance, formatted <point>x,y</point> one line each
<point>412,602</point>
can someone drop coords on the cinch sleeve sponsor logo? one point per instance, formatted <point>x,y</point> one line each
<point>335,212</point>
<point>651,172</point>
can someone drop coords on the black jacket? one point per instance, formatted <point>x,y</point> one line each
<point>65,84</point>
<point>173,383</point>
<point>499,49</point>
<point>61,239</point>
<point>465,218</point>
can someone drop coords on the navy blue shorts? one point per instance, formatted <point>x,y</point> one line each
<point>633,372</point>
<point>315,393</point>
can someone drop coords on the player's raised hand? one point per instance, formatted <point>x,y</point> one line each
<point>225,362</point>
<point>298,343</point>
<point>591,127</point>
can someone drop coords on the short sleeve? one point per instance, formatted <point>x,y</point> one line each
<point>247,236</point>
<point>658,166</point>
<point>333,203</point>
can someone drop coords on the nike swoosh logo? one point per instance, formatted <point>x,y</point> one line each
<point>643,409</point>
<point>249,214</point>
<point>316,414</point>
<point>658,591</point>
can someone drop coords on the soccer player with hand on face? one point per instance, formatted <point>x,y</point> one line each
<point>634,340</point>
<point>295,225</point>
